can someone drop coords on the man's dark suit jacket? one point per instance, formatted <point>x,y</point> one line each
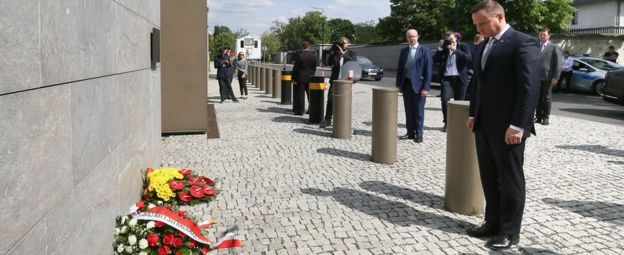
<point>463,61</point>
<point>305,66</point>
<point>421,71</point>
<point>334,62</point>
<point>507,89</point>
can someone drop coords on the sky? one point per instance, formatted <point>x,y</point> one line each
<point>257,16</point>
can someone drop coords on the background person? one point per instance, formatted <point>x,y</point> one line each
<point>304,67</point>
<point>507,73</point>
<point>611,54</point>
<point>225,72</point>
<point>241,67</point>
<point>566,72</point>
<point>552,61</point>
<point>339,55</point>
<point>413,78</point>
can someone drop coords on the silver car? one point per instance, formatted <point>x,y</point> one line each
<point>588,73</point>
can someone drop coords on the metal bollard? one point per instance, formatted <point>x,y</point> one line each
<point>269,80</point>
<point>286,87</point>
<point>463,192</point>
<point>252,73</point>
<point>317,98</point>
<point>277,83</point>
<point>385,107</point>
<point>342,109</point>
<point>261,77</point>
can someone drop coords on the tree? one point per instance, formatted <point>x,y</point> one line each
<point>428,17</point>
<point>272,42</point>
<point>306,28</point>
<point>221,37</point>
<point>341,28</point>
<point>365,32</point>
<point>241,32</point>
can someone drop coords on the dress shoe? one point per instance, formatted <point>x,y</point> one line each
<point>537,120</point>
<point>502,242</point>
<point>545,121</point>
<point>235,100</point>
<point>405,137</point>
<point>325,123</point>
<point>418,139</point>
<point>444,128</point>
<point>484,230</point>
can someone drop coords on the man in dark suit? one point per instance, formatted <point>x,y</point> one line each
<point>413,78</point>
<point>305,66</point>
<point>339,55</point>
<point>507,72</point>
<point>455,59</point>
<point>552,63</point>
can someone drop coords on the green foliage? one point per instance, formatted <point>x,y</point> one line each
<point>272,42</point>
<point>365,33</point>
<point>312,27</point>
<point>221,37</point>
<point>341,28</point>
<point>430,18</point>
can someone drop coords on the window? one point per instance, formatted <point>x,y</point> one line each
<point>575,18</point>
<point>256,44</point>
<point>242,44</point>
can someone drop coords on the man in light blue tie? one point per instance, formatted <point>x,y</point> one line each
<point>414,80</point>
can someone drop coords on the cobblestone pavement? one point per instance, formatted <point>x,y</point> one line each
<point>288,187</point>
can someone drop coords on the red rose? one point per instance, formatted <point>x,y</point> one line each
<point>159,224</point>
<point>185,172</point>
<point>196,191</point>
<point>140,204</point>
<point>177,253</point>
<point>191,244</point>
<point>210,191</point>
<point>204,250</point>
<point>149,170</point>
<point>168,239</point>
<point>207,180</point>
<point>163,250</point>
<point>184,197</point>
<point>152,239</point>
<point>146,194</point>
<point>176,185</point>
<point>177,242</point>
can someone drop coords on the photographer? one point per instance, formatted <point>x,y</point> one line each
<point>454,59</point>
<point>225,73</point>
<point>338,55</point>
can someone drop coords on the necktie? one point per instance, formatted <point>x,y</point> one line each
<point>410,60</point>
<point>543,47</point>
<point>487,51</point>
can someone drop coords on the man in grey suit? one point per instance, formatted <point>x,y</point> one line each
<point>507,67</point>
<point>552,62</point>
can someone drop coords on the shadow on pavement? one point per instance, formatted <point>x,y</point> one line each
<point>597,112</point>
<point>312,132</point>
<point>346,154</point>
<point>271,102</point>
<point>595,149</point>
<point>289,119</point>
<point>525,250</point>
<point>419,197</point>
<point>362,132</point>
<point>274,110</point>
<point>602,211</point>
<point>396,213</point>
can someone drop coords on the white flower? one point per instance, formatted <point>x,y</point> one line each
<point>150,206</point>
<point>129,249</point>
<point>124,229</point>
<point>133,222</point>
<point>120,248</point>
<point>142,253</point>
<point>117,230</point>
<point>132,239</point>
<point>143,243</point>
<point>151,224</point>
<point>123,219</point>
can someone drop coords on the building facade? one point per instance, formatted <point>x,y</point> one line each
<point>598,17</point>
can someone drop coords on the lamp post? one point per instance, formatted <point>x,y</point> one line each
<point>322,33</point>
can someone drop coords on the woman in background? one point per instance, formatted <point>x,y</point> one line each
<point>241,67</point>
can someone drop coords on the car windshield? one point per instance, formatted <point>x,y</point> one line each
<point>363,61</point>
<point>601,64</point>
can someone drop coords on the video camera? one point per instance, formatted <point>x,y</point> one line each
<point>446,43</point>
<point>337,45</point>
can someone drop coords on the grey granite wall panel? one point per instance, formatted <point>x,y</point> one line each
<point>33,243</point>
<point>40,160</point>
<point>98,122</point>
<point>77,39</point>
<point>20,61</point>
<point>132,51</point>
<point>83,222</point>
<point>156,123</point>
<point>148,9</point>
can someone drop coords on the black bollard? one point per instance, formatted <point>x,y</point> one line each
<point>317,98</point>
<point>286,87</point>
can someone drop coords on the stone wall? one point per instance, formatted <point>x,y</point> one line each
<point>79,119</point>
<point>592,45</point>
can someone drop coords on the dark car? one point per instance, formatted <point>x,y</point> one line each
<point>613,90</point>
<point>369,69</point>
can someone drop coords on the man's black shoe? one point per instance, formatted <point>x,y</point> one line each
<point>405,137</point>
<point>484,230</point>
<point>444,128</point>
<point>545,121</point>
<point>502,242</point>
<point>325,123</point>
<point>537,120</point>
<point>418,139</point>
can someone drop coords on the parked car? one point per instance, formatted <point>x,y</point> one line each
<point>370,70</point>
<point>588,74</point>
<point>613,90</point>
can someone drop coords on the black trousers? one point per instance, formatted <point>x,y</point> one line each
<point>330,102</point>
<point>242,83</point>
<point>225,88</point>
<point>299,97</point>
<point>543,105</point>
<point>567,76</point>
<point>502,178</point>
<point>451,86</point>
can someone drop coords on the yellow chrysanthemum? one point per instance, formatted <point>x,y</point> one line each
<point>159,181</point>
